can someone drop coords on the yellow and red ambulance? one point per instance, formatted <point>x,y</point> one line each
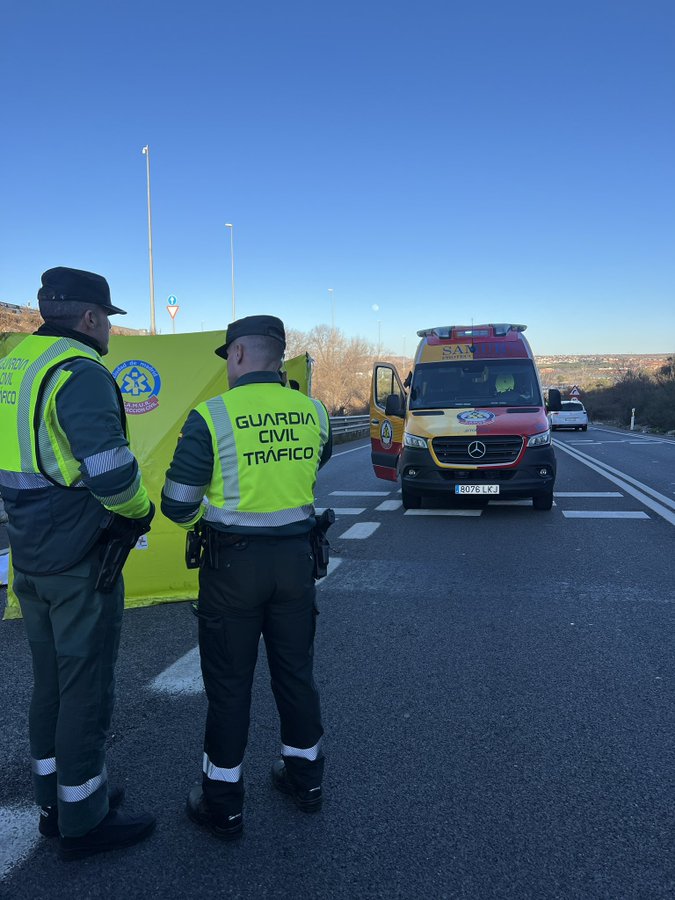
<point>469,419</point>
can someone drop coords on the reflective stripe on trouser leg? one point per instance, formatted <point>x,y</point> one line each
<point>75,793</point>
<point>304,765</point>
<point>223,787</point>
<point>311,753</point>
<point>44,780</point>
<point>219,773</point>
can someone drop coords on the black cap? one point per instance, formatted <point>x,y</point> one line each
<point>62,284</point>
<point>269,326</point>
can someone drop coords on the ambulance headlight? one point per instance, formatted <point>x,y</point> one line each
<point>543,439</point>
<point>411,440</point>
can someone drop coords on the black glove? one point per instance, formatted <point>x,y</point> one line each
<point>118,527</point>
<point>147,518</point>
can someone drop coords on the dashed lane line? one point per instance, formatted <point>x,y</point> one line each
<point>625,482</point>
<point>360,493</point>
<point>389,505</point>
<point>342,511</point>
<point>587,494</point>
<point>443,512</point>
<point>184,677</point>
<point>18,835</point>
<point>360,531</point>
<point>511,503</point>
<point>603,514</point>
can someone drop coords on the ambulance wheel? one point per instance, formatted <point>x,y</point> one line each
<point>543,501</point>
<point>584,427</point>
<point>410,501</point>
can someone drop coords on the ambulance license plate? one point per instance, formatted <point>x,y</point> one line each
<point>476,488</point>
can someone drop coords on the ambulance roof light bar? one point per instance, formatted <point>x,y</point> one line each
<point>449,331</point>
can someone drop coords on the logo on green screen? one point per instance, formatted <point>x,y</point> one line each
<point>139,384</point>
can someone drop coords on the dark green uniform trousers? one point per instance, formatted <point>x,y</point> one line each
<point>74,634</point>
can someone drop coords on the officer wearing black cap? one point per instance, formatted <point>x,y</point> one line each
<point>252,454</point>
<point>65,465</point>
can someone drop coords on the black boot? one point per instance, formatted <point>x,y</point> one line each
<point>48,826</point>
<point>225,826</point>
<point>307,800</point>
<point>117,830</point>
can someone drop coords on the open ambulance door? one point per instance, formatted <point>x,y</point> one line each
<point>387,420</point>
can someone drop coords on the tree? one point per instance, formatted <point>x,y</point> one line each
<point>342,367</point>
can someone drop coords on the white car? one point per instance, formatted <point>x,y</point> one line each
<point>572,415</point>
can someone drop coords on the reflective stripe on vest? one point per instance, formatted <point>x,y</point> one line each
<point>35,377</point>
<point>267,443</point>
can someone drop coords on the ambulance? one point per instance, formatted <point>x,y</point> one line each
<point>468,421</point>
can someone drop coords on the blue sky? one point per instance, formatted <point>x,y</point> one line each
<point>442,161</point>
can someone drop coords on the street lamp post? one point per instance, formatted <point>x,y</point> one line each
<point>231,227</point>
<point>332,308</point>
<point>146,154</point>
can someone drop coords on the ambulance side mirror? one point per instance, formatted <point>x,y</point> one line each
<point>554,400</point>
<point>394,407</point>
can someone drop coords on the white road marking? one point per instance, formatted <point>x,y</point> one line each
<point>18,835</point>
<point>343,510</point>
<point>353,450</point>
<point>443,512</point>
<point>511,502</point>
<point>181,678</point>
<point>389,505</point>
<point>602,514</point>
<point>4,567</point>
<point>360,531</point>
<point>360,493</point>
<point>625,482</point>
<point>587,494</point>
<point>333,563</point>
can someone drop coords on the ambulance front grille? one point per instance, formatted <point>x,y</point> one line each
<point>461,451</point>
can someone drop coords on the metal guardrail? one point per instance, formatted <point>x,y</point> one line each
<point>349,426</point>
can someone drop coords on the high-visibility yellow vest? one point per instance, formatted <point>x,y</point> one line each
<point>30,379</point>
<point>267,443</point>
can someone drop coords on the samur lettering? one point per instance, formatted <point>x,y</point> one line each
<point>276,428</point>
<point>456,351</point>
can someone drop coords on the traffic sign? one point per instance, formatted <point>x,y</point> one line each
<point>172,306</point>
<point>575,392</point>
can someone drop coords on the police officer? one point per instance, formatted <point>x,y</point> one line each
<point>253,452</point>
<point>64,462</point>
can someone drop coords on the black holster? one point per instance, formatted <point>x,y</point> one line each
<point>120,536</point>
<point>320,544</point>
<point>195,546</point>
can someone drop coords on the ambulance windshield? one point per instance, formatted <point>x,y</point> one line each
<point>483,383</point>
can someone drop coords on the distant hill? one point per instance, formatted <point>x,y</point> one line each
<point>585,371</point>
<point>25,319</point>
<point>590,371</point>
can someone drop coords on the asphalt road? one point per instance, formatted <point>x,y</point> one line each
<point>497,688</point>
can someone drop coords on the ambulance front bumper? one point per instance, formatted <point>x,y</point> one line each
<point>535,474</point>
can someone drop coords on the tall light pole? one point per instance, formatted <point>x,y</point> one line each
<point>231,227</point>
<point>332,308</point>
<point>146,154</point>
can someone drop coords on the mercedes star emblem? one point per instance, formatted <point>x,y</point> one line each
<point>476,450</point>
